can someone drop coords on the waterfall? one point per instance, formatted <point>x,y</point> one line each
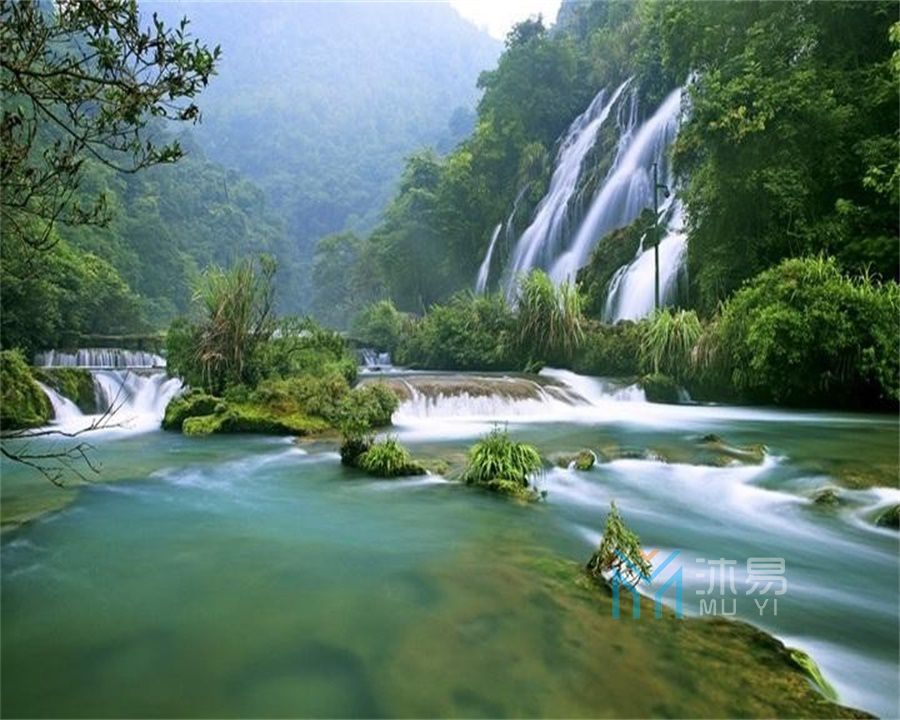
<point>65,412</point>
<point>628,189</point>
<point>484,270</point>
<point>99,358</point>
<point>372,360</point>
<point>632,290</point>
<point>130,401</point>
<point>544,238</point>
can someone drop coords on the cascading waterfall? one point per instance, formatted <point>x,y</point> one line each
<point>126,399</point>
<point>551,243</point>
<point>543,239</point>
<point>99,358</point>
<point>484,270</point>
<point>628,190</point>
<point>632,290</point>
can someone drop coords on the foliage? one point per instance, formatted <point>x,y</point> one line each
<point>249,418</point>
<point>379,326</point>
<point>803,333</point>
<point>300,346</point>
<point>389,459</point>
<point>22,403</point>
<point>548,318</point>
<point>790,147</point>
<point>83,80</point>
<point>609,349</point>
<point>619,552</point>
<point>360,412</point>
<point>469,332</point>
<point>498,463</point>
<point>660,388</point>
<point>667,339</point>
<point>235,320</point>
<point>195,403</point>
<point>75,384</point>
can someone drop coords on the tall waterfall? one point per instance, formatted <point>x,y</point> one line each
<point>485,269</point>
<point>544,238</point>
<point>632,290</point>
<point>552,243</point>
<point>628,189</point>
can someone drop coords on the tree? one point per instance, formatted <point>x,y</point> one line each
<point>83,80</point>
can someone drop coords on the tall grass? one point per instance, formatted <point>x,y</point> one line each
<point>550,319</point>
<point>667,342</point>
<point>496,457</point>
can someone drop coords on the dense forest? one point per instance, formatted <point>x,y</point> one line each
<point>788,145</point>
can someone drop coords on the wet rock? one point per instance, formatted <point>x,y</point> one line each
<point>726,453</point>
<point>889,517</point>
<point>585,460</point>
<point>827,496</point>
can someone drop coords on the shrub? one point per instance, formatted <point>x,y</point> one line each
<point>609,350</point>
<point>22,403</point>
<point>359,413</point>
<point>300,346</point>
<point>660,388</point>
<point>498,463</point>
<point>318,396</point>
<point>388,459</point>
<point>668,338</point>
<point>380,326</point>
<point>192,404</point>
<point>619,551</point>
<point>549,318</point>
<point>469,332</point>
<point>802,333</point>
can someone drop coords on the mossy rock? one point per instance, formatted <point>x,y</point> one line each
<point>809,667</point>
<point>826,497</point>
<point>889,517</point>
<point>22,402</point>
<point>248,418</point>
<point>77,384</point>
<point>195,403</point>
<point>660,388</point>
<point>585,460</point>
<point>389,459</point>
<point>724,453</point>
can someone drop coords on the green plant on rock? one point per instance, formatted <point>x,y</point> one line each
<point>498,463</point>
<point>389,459</point>
<point>619,552</point>
<point>359,413</point>
<point>550,321</point>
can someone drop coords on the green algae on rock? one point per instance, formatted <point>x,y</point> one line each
<point>22,402</point>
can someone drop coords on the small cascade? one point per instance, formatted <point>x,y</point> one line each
<point>632,290</point>
<point>485,269</point>
<point>100,358</point>
<point>545,238</point>
<point>374,361</point>
<point>65,412</point>
<point>126,400</point>
<point>628,189</point>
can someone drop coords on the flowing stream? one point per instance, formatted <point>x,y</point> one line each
<point>247,575</point>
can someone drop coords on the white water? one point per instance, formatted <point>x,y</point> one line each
<point>64,410</point>
<point>543,239</point>
<point>127,401</point>
<point>485,269</point>
<point>629,188</point>
<point>99,358</point>
<point>374,360</point>
<point>632,291</point>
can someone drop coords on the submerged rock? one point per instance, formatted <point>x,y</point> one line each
<point>827,496</point>
<point>725,453</point>
<point>889,517</point>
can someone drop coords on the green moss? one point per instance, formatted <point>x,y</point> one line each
<point>193,404</point>
<point>660,388</point>
<point>889,517</point>
<point>22,403</point>
<point>76,384</point>
<point>808,666</point>
<point>585,460</point>
<point>249,418</point>
<point>389,459</point>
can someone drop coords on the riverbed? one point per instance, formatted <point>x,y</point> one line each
<point>257,576</point>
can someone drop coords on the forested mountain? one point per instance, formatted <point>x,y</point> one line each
<point>319,104</point>
<point>787,144</point>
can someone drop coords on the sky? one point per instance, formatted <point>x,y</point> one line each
<point>498,16</point>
